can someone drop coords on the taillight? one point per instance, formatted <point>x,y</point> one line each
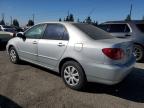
<point>113,53</point>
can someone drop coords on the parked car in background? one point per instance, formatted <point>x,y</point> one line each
<point>5,37</point>
<point>79,52</point>
<point>133,30</point>
<point>7,29</point>
<point>18,29</point>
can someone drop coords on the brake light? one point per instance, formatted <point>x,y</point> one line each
<point>113,53</point>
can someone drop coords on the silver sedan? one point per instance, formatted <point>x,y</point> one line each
<point>79,52</point>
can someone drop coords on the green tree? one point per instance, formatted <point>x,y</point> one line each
<point>2,22</point>
<point>128,18</point>
<point>67,18</point>
<point>30,23</point>
<point>88,20</point>
<point>15,23</point>
<point>71,18</point>
<point>60,19</point>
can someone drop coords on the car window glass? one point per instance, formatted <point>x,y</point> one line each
<point>140,27</point>
<point>55,32</point>
<point>0,28</point>
<point>105,27</point>
<point>119,28</point>
<point>92,31</point>
<point>36,32</point>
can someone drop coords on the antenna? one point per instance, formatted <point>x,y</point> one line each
<point>11,19</point>
<point>131,10</point>
<point>33,16</point>
<point>68,12</point>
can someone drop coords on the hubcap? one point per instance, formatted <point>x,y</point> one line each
<point>13,55</point>
<point>71,75</point>
<point>138,53</point>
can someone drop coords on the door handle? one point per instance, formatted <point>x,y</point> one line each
<point>34,42</point>
<point>61,44</point>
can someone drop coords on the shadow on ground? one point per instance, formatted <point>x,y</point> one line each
<point>132,88</point>
<point>7,103</point>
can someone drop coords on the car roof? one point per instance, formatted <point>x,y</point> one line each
<point>122,21</point>
<point>59,22</point>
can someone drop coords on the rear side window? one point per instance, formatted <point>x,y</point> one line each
<point>92,31</point>
<point>140,27</point>
<point>55,32</point>
<point>119,28</point>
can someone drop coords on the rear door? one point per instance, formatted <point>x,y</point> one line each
<point>53,44</point>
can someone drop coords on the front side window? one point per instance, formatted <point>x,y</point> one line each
<point>140,27</point>
<point>55,32</point>
<point>119,28</point>
<point>36,32</point>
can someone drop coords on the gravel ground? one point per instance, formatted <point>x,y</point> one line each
<point>29,86</point>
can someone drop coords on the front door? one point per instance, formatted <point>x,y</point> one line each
<point>28,46</point>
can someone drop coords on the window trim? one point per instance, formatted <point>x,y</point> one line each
<point>55,24</point>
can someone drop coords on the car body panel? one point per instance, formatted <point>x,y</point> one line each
<point>50,51</point>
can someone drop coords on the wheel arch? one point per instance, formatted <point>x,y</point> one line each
<point>10,47</point>
<point>69,59</point>
<point>135,43</point>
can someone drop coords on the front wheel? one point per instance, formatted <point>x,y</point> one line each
<point>14,58</point>
<point>139,52</point>
<point>73,75</point>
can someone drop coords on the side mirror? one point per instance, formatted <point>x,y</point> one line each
<point>21,35</point>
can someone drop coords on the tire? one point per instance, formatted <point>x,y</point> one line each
<point>14,58</point>
<point>73,75</point>
<point>139,52</point>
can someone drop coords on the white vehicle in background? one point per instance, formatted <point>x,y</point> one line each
<point>6,28</point>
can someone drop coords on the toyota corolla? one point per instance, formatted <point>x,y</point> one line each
<point>79,52</point>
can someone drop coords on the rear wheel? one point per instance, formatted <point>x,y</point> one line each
<point>73,75</point>
<point>139,52</point>
<point>14,58</point>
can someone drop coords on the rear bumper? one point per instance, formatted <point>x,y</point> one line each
<point>108,74</point>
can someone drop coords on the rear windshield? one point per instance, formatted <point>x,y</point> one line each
<point>93,32</point>
<point>140,27</point>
